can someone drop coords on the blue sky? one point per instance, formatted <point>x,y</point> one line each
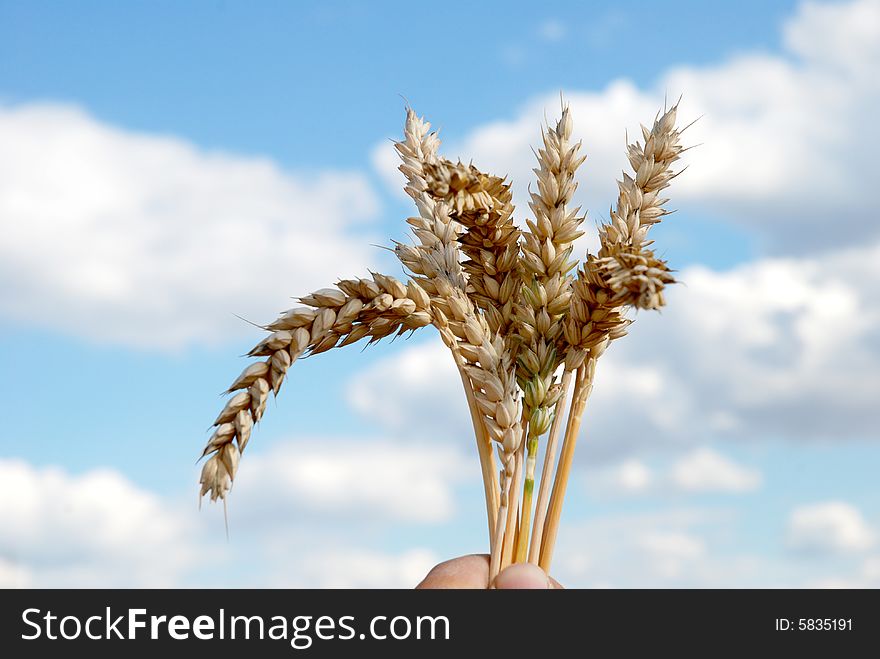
<point>167,167</point>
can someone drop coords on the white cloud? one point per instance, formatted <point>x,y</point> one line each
<point>778,347</point>
<point>696,548</point>
<point>552,30</point>
<point>828,528</point>
<point>670,548</point>
<point>150,241</point>
<point>698,471</point>
<point>630,477</point>
<point>670,552</point>
<point>359,568</point>
<point>385,162</point>
<point>100,530</point>
<point>365,479</point>
<point>57,529</point>
<point>14,575</point>
<point>705,470</point>
<point>784,149</point>
<point>418,386</point>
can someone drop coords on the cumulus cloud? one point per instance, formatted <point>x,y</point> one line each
<point>784,150</point>
<point>828,528</point>
<point>363,479</point>
<point>629,477</point>
<point>779,346</point>
<point>774,348</point>
<point>552,30</point>
<point>673,548</point>
<point>95,529</point>
<point>701,470</point>
<point>14,575</point>
<point>301,524</point>
<point>150,241</point>
<point>418,382</point>
<point>705,470</point>
<point>694,548</point>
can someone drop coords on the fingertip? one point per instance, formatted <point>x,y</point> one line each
<point>470,571</point>
<point>522,576</point>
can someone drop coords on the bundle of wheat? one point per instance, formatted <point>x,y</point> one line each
<point>524,332</point>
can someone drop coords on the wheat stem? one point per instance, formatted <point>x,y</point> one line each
<point>582,388</point>
<point>487,460</point>
<point>513,506</point>
<point>528,489</point>
<point>501,519</point>
<point>547,471</point>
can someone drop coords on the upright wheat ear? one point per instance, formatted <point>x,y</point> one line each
<point>524,333</point>
<point>546,293</point>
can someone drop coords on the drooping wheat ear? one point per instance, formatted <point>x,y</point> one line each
<point>356,309</point>
<point>546,291</point>
<point>483,205</point>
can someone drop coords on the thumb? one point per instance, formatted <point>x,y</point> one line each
<point>522,575</point>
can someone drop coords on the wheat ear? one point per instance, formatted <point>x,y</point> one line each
<point>630,269</point>
<point>546,293</point>
<point>355,309</point>
<point>482,204</point>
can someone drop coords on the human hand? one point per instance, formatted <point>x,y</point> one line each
<point>473,572</point>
